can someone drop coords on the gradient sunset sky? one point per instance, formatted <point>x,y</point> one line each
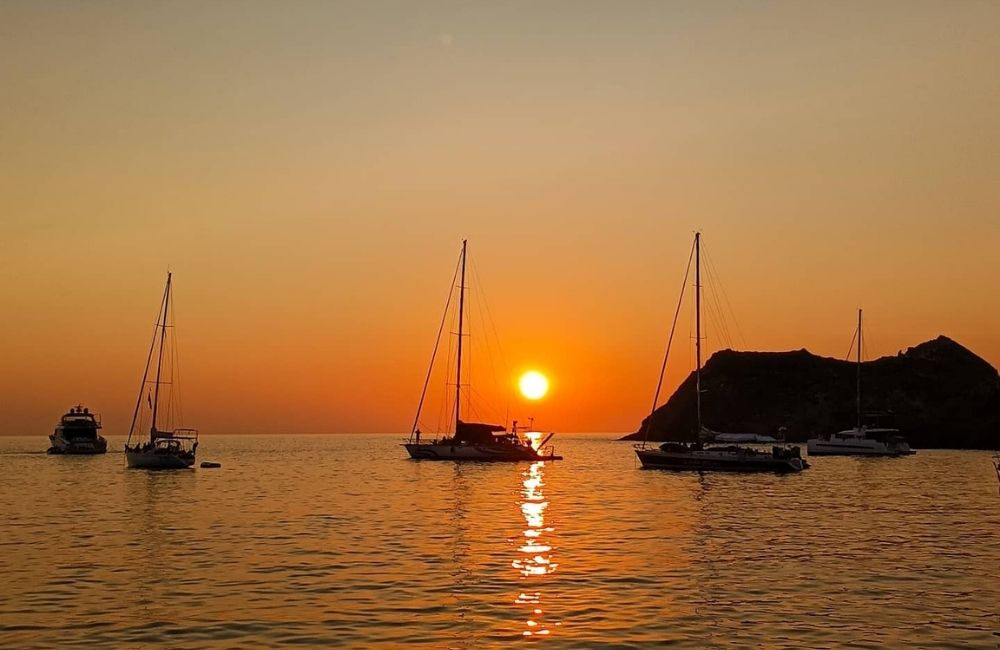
<point>308,170</point>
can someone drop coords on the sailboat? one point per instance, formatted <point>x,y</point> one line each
<point>701,456</point>
<point>477,441</point>
<point>166,448</point>
<point>865,439</point>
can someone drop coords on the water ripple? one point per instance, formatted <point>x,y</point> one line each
<point>316,541</point>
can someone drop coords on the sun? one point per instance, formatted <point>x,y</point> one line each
<point>533,384</point>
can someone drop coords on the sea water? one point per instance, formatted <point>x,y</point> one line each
<point>342,540</point>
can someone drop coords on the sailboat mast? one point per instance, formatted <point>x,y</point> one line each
<point>461,314</point>
<point>159,360</point>
<point>859,371</point>
<point>697,322</point>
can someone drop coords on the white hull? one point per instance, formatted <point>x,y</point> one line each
<point>158,459</point>
<point>752,438</point>
<point>476,452</point>
<point>820,447</point>
<point>856,443</point>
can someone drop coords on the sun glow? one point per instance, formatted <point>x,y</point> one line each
<point>533,384</point>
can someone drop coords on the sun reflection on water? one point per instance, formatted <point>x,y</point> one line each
<point>535,560</point>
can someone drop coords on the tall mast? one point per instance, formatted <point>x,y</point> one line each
<point>461,314</point>
<point>159,360</point>
<point>697,321</point>
<point>859,370</point>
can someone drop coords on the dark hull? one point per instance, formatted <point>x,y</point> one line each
<point>477,452</point>
<point>78,446</point>
<point>702,461</point>
<point>159,459</point>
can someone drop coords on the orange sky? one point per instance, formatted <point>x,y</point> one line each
<point>308,171</point>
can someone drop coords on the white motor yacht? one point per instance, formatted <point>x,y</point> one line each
<point>76,433</point>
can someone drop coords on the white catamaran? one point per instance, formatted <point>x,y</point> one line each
<point>862,440</point>
<point>473,440</point>
<point>166,448</point>
<point>699,456</point>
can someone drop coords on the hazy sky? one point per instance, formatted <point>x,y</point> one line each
<point>308,170</point>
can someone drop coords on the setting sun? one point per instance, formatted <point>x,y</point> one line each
<point>533,385</point>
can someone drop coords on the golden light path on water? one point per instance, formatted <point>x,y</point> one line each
<point>534,561</point>
<point>340,541</point>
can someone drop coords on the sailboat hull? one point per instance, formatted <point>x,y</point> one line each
<point>719,461</point>
<point>475,452</point>
<point>159,459</point>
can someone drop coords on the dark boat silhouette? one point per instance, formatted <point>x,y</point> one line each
<point>476,441</point>
<point>702,456</point>
<point>166,448</point>
<point>76,434</point>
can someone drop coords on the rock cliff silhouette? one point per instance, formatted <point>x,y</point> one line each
<point>939,394</point>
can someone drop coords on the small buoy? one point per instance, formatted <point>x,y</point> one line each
<point>210,465</point>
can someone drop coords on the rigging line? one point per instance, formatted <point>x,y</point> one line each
<point>714,291</point>
<point>861,337</point>
<point>482,312</point>
<point>445,404</point>
<point>467,357</point>
<point>850,351</point>
<point>483,405</point>
<point>690,337</point>
<point>509,392</point>
<point>710,313</point>
<point>145,372</point>
<point>437,342</point>
<point>717,289</point>
<point>709,321</point>
<point>725,296</point>
<point>670,340</point>
<point>159,362</point>
<point>485,409</point>
<point>479,312</point>
<point>475,318</point>
<point>176,407</point>
<point>715,323</point>
<point>714,303</point>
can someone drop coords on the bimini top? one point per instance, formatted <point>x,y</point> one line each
<point>477,431</point>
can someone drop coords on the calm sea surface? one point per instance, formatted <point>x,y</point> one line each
<point>343,541</point>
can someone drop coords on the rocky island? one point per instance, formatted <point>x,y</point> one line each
<point>939,394</point>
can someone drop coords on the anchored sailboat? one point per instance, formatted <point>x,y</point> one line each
<point>472,440</point>
<point>699,456</point>
<point>166,448</point>
<point>865,439</point>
